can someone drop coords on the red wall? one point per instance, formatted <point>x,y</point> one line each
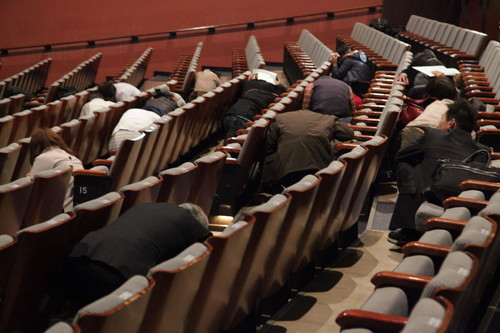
<point>27,22</point>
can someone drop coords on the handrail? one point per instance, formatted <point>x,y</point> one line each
<point>210,29</point>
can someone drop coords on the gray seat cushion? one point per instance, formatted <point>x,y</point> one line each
<point>426,211</point>
<point>457,213</point>
<point>472,194</point>
<point>126,291</point>
<point>96,203</point>
<point>185,257</point>
<point>60,327</point>
<point>437,237</point>
<point>416,265</point>
<point>40,226</point>
<point>275,200</point>
<point>388,300</point>
<point>426,317</point>
<point>454,271</point>
<point>476,231</point>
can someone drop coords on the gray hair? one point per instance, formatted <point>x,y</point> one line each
<point>197,212</point>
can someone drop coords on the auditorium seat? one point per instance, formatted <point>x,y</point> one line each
<point>120,311</point>
<point>21,127</point>
<point>14,198</point>
<point>8,249</point>
<point>144,155</point>
<point>177,282</point>
<point>340,210</point>
<point>428,316</point>
<point>95,214</point>
<point>159,152</point>
<point>177,183</point>
<point>317,223</point>
<point>372,160</point>
<point>218,280</point>
<point>279,265</point>
<point>69,132</point>
<point>62,327</point>
<point>23,164</point>
<point>393,291</point>
<point>145,190</point>
<point>6,123</point>
<point>269,218</point>
<point>207,179</point>
<point>44,246</point>
<point>108,175</point>
<point>47,195</point>
<point>8,159</point>
<point>240,166</point>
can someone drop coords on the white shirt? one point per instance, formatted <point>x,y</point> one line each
<point>136,119</point>
<point>97,104</point>
<point>431,116</point>
<point>125,90</point>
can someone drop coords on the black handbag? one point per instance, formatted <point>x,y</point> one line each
<point>450,173</point>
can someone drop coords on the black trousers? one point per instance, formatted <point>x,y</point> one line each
<point>81,282</point>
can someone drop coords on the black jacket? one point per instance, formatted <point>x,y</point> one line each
<point>353,68</point>
<point>144,236</point>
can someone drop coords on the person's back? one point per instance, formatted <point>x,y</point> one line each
<point>130,124</point>
<point>96,103</point>
<point>142,237</point>
<point>333,97</point>
<point>301,141</point>
<point>353,67</point>
<point>205,81</point>
<point>125,90</point>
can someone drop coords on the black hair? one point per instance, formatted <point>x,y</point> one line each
<point>464,113</point>
<point>440,87</point>
<point>107,90</point>
<point>343,49</point>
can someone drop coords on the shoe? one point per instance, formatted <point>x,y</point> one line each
<point>403,236</point>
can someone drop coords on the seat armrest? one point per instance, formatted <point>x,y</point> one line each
<point>464,202</point>
<point>430,250</point>
<point>370,129</point>
<point>443,223</point>
<point>371,320</point>
<point>106,162</point>
<point>402,280</point>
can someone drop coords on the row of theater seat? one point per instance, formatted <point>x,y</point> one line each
<point>446,279</point>
<point>249,58</point>
<point>482,77</point>
<point>450,41</point>
<point>32,79</point>
<point>278,238</point>
<point>135,72</point>
<point>26,202</point>
<point>169,138</point>
<point>245,148</point>
<point>55,112</point>
<point>302,57</point>
<point>185,70</point>
<point>80,78</point>
<point>383,51</point>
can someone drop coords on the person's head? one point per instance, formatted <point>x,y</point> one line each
<point>94,95</point>
<point>107,90</point>
<point>461,114</point>
<point>44,138</point>
<point>343,50</point>
<point>197,212</point>
<point>440,87</point>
